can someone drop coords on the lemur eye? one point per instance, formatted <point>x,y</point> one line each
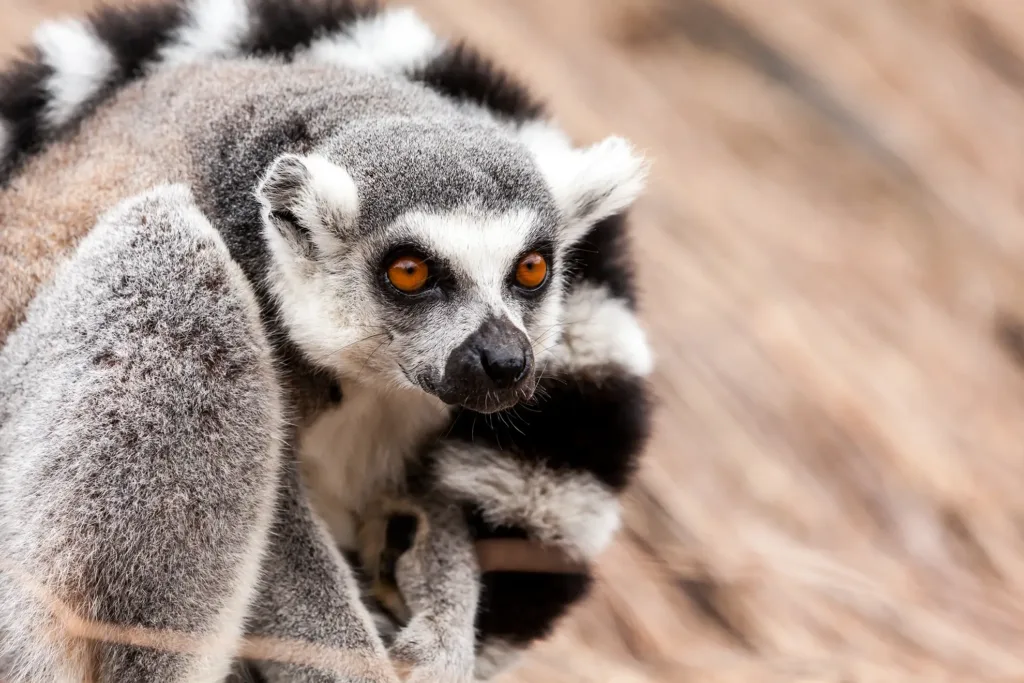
<point>408,274</point>
<point>532,271</point>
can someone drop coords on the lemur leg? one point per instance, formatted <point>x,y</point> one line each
<point>308,622</point>
<point>424,566</point>
<point>140,429</point>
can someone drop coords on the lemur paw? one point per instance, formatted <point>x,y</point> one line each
<point>425,653</point>
<point>423,563</point>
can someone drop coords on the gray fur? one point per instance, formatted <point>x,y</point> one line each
<point>440,162</point>
<point>438,580</point>
<point>308,595</point>
<point>151,500</point>
<point>140,430</point>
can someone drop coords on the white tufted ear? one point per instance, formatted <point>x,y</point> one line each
<point>311,201</point>
<point>588,184</point>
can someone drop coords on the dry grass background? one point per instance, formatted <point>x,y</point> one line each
<point>832,257</point>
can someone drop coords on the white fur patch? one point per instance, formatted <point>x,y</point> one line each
<point>216,29</point>
<point>333,190</point>
<point>484,247</point>
<point>82,64</point>
<point>599,330</point>
<point>588,184</point>
<point>354,453</point>
<point>569,509</point>
<point>395,40</point>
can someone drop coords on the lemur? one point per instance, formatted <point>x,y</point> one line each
<point>293,289</point>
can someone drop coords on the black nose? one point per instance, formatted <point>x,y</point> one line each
<point>505,364</point>
<point>497,356</point>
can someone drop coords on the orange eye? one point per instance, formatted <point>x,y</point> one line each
<point>532,271</point>
<point>408,274</point>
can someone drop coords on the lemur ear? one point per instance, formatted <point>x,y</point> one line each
<point>588,184</point>
<point>312,202</point>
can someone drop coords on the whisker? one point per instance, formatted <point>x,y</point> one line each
<point>358,341</point>
<point>367,360</point>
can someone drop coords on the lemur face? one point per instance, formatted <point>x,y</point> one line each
<point>431,255</point>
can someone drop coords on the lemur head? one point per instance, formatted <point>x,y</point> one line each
<point>418,254</point>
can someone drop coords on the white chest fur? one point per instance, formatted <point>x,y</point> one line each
<point>356,450</point>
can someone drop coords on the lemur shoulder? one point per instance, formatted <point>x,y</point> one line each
<point>381,192</point>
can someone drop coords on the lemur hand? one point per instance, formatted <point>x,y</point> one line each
<point>427,575</point>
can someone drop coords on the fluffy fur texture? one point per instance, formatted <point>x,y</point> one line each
<point>156,392</point>
<point>395,40</point>
<point>309,171</point>
<point>425,553</point>
<point>213,29</point>
<point>80,64</point>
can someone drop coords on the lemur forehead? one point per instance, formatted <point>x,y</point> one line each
<point>406,164</point>
<point>481,243</point>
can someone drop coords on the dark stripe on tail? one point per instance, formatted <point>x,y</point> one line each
<point>463,74</point>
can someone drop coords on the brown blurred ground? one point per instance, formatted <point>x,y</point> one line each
<point>832,255</point>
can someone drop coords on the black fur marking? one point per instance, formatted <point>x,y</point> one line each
<point>244,672</point>
<point>22,99</point>
<point>401,532</point>
<point>604,257</point>
<point>399,536</point>
<point>598,425</point>
<point>335,395</point>
<point>463,74</point>
<point>281,27</point>
<point>136,34</point>
<point>521,608</point>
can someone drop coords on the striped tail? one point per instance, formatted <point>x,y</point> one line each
<point>73,65</point>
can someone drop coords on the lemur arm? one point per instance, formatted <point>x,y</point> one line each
<point>422,555</point>
<point>307,622</point>
<point>141,446</point>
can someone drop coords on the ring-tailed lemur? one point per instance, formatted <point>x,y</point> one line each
<point>414,235</point>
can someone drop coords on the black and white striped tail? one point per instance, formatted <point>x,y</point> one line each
<point>73,65</point>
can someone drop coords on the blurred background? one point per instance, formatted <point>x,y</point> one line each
<point>832,263</point>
